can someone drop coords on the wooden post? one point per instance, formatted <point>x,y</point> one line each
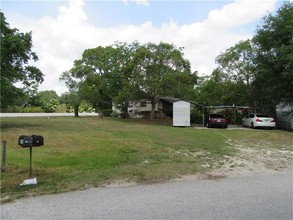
<point>3,161</point>
<point>31,153</point>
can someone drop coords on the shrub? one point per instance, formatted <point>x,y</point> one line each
<point>28,109</point>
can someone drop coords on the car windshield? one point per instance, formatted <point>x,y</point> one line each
<point>263,116</point>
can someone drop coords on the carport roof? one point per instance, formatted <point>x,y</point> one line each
<point>228,106</point>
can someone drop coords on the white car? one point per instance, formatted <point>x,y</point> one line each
<point>258,120</point>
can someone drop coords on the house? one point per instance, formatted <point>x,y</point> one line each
<point>142,109</point>
<point>164,109</point>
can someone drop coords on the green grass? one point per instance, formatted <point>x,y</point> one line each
<point>91,151</point>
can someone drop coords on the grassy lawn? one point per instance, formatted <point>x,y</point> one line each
<point>91,151</point>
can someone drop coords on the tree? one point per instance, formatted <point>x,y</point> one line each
<point>48,100</point>
<point>91,90</point>
<point>95,71</point>
<point>156,65</point>
<point>274,59</point>
<point>73,97</point>
<point>212,90</point>
<point>50,106</point>
<point>106,74</point>
<point>180,85</point>
<point>237,66</point>
<point>123,72</point>
<point>47,95</point>
<point>16,53</point>
<point>128,89</point>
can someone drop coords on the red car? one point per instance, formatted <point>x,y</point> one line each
<point>217,120</point>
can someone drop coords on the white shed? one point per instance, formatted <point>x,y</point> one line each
<point>181,113</point>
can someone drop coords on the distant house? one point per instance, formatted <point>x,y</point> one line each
<point>142,109</point>
<point>164,109</point>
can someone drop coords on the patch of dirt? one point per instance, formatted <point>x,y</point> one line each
<point>258,158</point>
<point>251,159</point>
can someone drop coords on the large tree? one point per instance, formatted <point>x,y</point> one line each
<point>104,73</point>
<point>237,65</point>
<point>274,42</point>
<point>16,54</point>
<point>74,96</point>
<point>158,63</point>
<point>217,90</point>
<point>123,72</point>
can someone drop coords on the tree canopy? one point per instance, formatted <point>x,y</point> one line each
<point>274,58</point>
<point>256,72</point>
<point>163,71</point>
<point>16,53</point>
<point>124,72</point>
<point>237,67</point>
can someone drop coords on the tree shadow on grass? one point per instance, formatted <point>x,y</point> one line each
<point>9,125</point>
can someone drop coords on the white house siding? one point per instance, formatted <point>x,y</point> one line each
<point>135,109</point>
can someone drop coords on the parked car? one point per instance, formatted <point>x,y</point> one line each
<point>259,120</point>
<point>216,120</point>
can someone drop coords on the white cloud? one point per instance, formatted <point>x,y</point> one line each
<point>139,2</point>
<point>60,40</point>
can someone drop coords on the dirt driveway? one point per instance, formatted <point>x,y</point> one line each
<point>252,158</point>
<point>258,159</point>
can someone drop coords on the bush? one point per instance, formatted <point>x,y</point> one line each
<point>115,114</point>
<point>50,106</point>
<point>27,110</point>
<point>106,112</point>
<point>196,117</point>
<point>62,108</point>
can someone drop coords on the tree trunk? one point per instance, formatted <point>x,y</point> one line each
<point>153,109</point>
<point>124,114</point>
<point>126,110</point>
<point>76,107</point>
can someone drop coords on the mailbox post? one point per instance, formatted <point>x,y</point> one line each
<point>26,141</point>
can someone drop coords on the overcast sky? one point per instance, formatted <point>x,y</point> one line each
<point>62,30</point>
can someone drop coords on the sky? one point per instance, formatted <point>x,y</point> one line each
<point>62,30</point>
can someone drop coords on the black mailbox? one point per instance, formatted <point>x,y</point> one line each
<point>30,141</point>
<point>25,141</point>
<point>38,140</point>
